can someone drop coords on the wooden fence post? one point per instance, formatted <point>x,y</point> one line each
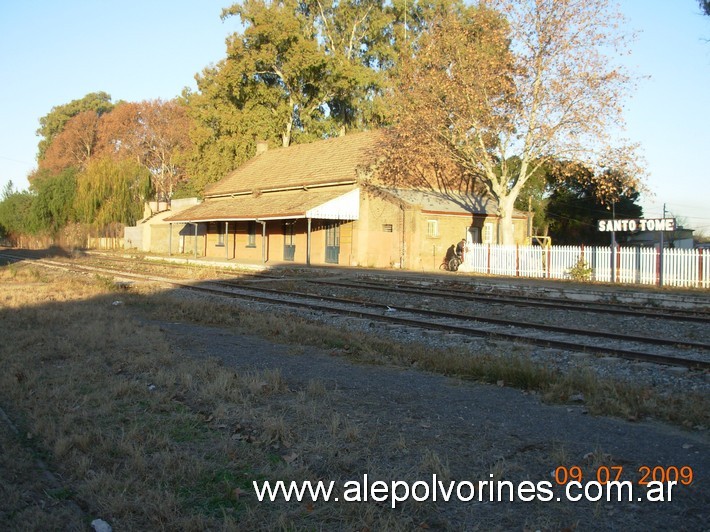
<point>517,260</point>
<point>700,268</point>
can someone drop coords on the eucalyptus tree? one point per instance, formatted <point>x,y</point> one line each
<point>279,62</point>
<point>227,118</point>
<point>360,38</point>
<point>299,71</point>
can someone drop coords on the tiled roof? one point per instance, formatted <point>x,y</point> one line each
<point>433,201</point>
<point>289,204</point>
<point>328,161</point>
<point>453,202</point>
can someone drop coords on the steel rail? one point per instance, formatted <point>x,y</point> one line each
<point>497,321</point>
<point>496,335</point>
<point>214,287</point>
<point>487,319</point>
<point>606,308</point>
<point>589,306</point>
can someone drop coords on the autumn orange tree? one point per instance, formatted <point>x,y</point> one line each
<point>153,133</point>
<point>74,145</point>
<point>504,88</point>
<point>98,162</point>
<point>54,122</point>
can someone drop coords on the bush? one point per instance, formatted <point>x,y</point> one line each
<point>580,271</point>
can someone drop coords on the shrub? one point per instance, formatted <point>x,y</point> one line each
<point>580,271</point>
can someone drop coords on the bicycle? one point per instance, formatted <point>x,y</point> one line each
<point>451,265</point>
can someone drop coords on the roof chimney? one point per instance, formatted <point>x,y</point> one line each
<point>261,146</point>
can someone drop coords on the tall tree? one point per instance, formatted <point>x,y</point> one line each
<point>53,204</point>
<point>153,133</point>
<point>226,123</point>
<point>16,213</point>
<point>705,6</point>
<point>279,57</point>
<point>110,191</point>
<point>358,36</point>
<point>525,80</point>
<point>53,122</point>
<point>460,58</point>
<point>74,145</point>
<point>574,206</point>
<point>267,88</point>
<point>300,70</point>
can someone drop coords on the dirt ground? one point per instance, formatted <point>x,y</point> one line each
<point>413,424</point>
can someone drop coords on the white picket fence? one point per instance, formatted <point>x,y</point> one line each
<point>681,267</point>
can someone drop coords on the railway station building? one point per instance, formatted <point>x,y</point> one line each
<point>320,203</point>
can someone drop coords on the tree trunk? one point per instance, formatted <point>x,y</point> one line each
<point>507,233</point>
<point>286,134</point>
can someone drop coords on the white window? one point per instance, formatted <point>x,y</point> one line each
<point>432,228</point>
<point>488,233</point>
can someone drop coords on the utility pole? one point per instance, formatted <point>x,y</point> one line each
<point>613,244</point>
<point>660,257</point>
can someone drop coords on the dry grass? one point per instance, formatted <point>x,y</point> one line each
<point>141,436</point>
<point>601,396</point>
<point>149,439</point>
<point>126,422</point>
<point>629,401</point>
<point>29,499</point>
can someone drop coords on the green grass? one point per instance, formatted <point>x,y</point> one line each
<point>218,492</point>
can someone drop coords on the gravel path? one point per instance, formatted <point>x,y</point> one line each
<point>411,424</point>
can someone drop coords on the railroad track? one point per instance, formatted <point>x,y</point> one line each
<point>697,315</point>
<point>640,348</point>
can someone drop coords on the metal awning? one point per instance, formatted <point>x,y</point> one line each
<point>328,204</point>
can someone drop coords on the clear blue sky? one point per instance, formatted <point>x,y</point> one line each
<point>54,52</point>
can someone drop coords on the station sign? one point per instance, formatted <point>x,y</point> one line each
<point>638,224</point>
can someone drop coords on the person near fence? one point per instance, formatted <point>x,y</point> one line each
<point>450,253</point>
<point>460,248</point>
